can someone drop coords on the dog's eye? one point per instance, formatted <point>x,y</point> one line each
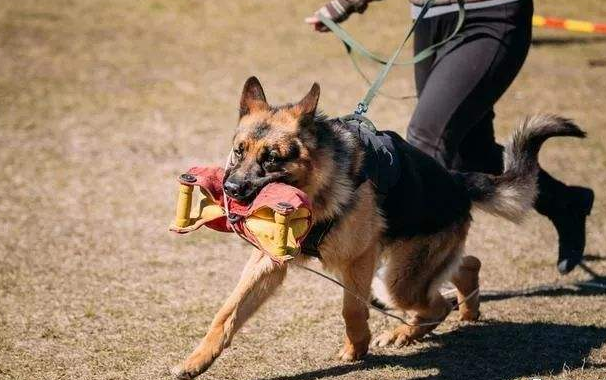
<point>239,151</point>
<point>272,157</point>
<point>271,161</point>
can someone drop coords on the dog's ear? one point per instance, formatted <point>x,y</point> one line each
<point>253,97</point>
<point>306,108</point>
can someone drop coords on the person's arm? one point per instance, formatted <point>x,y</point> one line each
<point>338,11</point>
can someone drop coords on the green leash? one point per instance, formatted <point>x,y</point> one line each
<point>352,45</point>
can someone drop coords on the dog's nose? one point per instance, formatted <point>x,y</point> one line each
<point>237,189</point>
<point>231,188</point>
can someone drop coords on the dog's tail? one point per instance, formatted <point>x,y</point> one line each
<point>513,193</point>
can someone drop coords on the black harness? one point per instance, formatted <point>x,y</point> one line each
<point>381,166</point>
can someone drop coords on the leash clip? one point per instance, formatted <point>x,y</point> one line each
<point>361,109</point>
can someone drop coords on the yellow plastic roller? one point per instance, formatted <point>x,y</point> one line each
<point>207,211</point>
<point>184,206</point>
<point>279,234</point>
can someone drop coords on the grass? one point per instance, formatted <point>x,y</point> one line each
<point>103,103</point>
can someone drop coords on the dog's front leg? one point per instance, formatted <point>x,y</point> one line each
<point>261,276</point>
<point>357,276</point>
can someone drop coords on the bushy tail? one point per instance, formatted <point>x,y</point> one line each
<point>513,193</point>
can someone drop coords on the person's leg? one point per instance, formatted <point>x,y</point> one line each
<point>469,75</point>
<point>425,36</point>
<point>479,151</point>
<point>453,120</point>
<point>567,207</point>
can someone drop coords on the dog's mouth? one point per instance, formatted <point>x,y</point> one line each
<point>246,191</point>
<point>245,198</point>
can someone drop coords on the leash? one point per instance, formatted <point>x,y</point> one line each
<point>385,313</point>
<point>512,293</point>
<point>352,45</point>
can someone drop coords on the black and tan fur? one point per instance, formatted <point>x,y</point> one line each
<point>292,144</point>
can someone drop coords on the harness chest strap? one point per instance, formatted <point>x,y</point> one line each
<point>381,167</point>
<point>315,237</point>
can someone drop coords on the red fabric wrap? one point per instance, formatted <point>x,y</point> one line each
<point>280,197</point>
<point>210,179</point>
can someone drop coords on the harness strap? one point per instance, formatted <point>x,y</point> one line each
<point>352,45</point>
<point>361,128</point>
<point>311,243</point>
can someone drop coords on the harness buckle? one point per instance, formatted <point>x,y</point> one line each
<point>361,109</point>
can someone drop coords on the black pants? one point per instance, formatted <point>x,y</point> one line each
<point>459,86</point>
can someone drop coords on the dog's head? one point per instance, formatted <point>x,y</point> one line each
<point>271,144</point>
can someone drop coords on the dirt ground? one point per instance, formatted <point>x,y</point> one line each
<point>103,103</point>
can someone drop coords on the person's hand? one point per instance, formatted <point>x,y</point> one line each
<point>337,11</point>
<point>315,22</point>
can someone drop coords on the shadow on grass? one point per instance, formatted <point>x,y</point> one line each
<point>497,350</point>
<point>596,285</point>
<point>589,258</point>
<point>569,40</point>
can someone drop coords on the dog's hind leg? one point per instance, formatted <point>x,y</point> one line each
<point>261,276</point>
<point>416,268</point>
<point>427,317</point>
<point>466,280</point>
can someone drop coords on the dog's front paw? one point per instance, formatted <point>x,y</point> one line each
<point>469,315</point>
<point>189,370</point>
<point>349,352</point>
<point>398,337</point>
<point>182,374</point>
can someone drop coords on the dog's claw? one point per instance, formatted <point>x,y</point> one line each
<point>349,354</point>
<point>179,373</point>
<point>382,340</point>
<point>469,316</point>
<point>403,340</point>
<point>385,339</point>
<point>396,338</point>
<point>346,356</point>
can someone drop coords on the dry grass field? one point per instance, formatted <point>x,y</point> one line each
<point>103,103</point>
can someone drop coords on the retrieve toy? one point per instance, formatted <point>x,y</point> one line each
<point>276,221</point>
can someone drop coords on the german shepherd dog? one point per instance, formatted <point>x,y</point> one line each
<point>417,232</point>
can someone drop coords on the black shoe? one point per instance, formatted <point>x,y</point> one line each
<point>569,222</point>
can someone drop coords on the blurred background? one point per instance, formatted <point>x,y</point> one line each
<point>104,103</point>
